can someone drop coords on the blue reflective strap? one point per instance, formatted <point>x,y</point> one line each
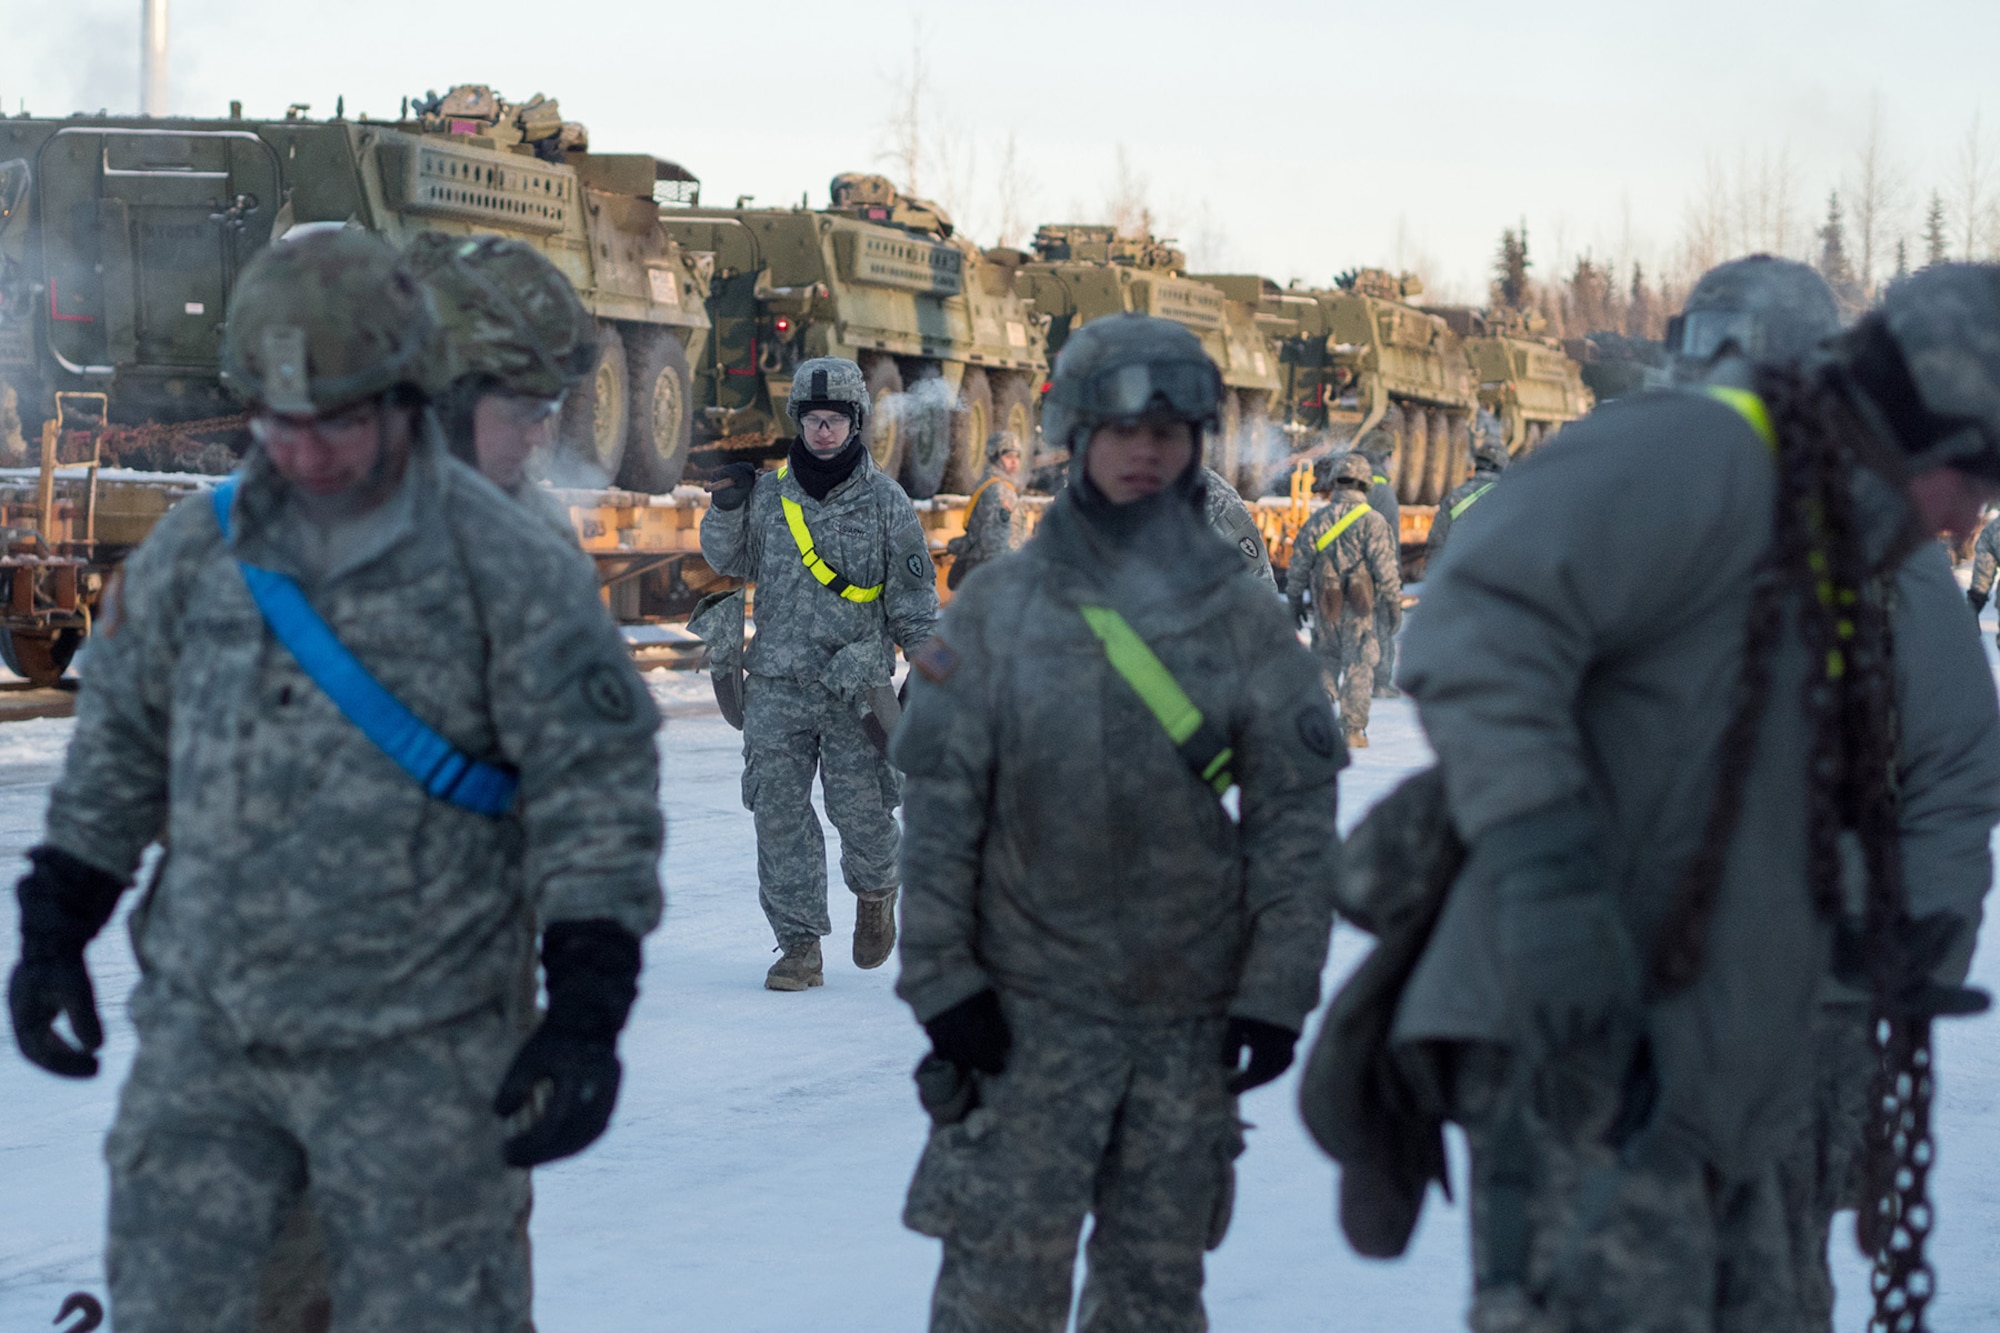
<point>439,767</point>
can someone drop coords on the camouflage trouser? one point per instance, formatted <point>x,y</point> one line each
<point>1608,1246</point>
<point>1347,660</point>
<point>1822,1175</point>
<point>1128,1124</point>
<point>395,1146</point>
<point>1385,640</point>
<point>789,732</point>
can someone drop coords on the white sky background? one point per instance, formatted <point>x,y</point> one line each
<point>1289,138</point>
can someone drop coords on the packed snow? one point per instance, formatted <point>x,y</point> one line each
<point>753,1178</point>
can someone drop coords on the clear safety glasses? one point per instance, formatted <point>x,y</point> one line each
<point>1191,389</point>
<point>1704,333</point>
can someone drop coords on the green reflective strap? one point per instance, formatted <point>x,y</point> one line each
<point>1381,480</point>
<point>1342,524</point>
<point>1751,408</point>
<point>795,519</point>
<point>1468,501</point>
<point>1200,743</point>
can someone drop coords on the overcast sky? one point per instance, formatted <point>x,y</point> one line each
<point>1284,137</point>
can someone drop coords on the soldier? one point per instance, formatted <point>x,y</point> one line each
<point>1697,658</point>
<point>515,341</point>
<point>992,525</point>
<point>328,998</point>
<point>1489,460</point>
<point>1756,311</point>
<point>1092,941</point>
<point>1230,519</point>
<point>1985,560</point>
<point>1376,446</point>
<point>843,578</point>
<point>1343,567</point>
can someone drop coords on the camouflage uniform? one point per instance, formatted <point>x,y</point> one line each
<point>991,528</point>
<point>814,660</point>
<point>1985,560</point>
<point>326,953</point>
<point>1377,447</point>
<point>1060,851</point>
<point>1348,651</point>
<point>1489,459</point>
<point>1230,519</point>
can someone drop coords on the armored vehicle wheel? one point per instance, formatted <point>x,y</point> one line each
<point>926,430</point>
<point>971,423</point>
<point>885,410</point>
<point>1443,447</point>
<point>595,419</point>
<point>39,656</point>
<point>1252,442</point>
<point>1014,409</point>
<point>656,448</point>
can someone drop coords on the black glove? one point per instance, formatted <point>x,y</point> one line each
<point>1567,958</point>
<point>1978,600</point>
<point>64,903</point>
<point>1270,1048</point>
<point>593,977</point>
<point>731,489</point>
<point>1301,608</point>
<point>1917,947</point>
<point>972,1034</point>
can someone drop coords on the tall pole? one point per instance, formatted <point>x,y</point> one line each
<point>153,57</point>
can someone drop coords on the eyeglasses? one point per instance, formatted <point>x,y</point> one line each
<point>347,427</point>
<point>1191,389</point>
<point>827,422</point>
<point>532,411</point>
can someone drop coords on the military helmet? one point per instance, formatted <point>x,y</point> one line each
<point>1489,442</point>
<point>1377,444</point>
<point>325,320</point>
<point>1001,443</point>
<point>1122,367</point>
<point>829,384</point>
<point>1353,469</point>
<point>1771,311</point>
<point>509,315</point>
<point>1929,359</point>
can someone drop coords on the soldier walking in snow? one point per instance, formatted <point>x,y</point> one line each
<point>843,579</point>
<point>363,840</point>
<point>1102,949</point>
<point>1343,568</point>
<point>1489,460</point>
<point>1377,446</point>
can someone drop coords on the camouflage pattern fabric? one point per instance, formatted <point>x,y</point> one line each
<point>991,529</point>
<point>1126,1123</point>
<point>314,894</point>
<point>1351,652</point>
<point>1986,558</point>
<point>867,530</point>
<point>395,1145</point>
<point>1821,1173</point>
<point>791,731</point>
<point>1474,485</point>
<point>1231,520</point>
<point>508,314</point>
<point>1388,611</point>
<point>1608,1245</point>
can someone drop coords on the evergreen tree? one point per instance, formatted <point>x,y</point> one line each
<point>1902,259</point>
<point>1510,269</point>
<point>1833,265</point>
<point>1935,245</point>
<point>1639,310</point>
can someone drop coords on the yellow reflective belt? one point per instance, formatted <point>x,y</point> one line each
<point>795,519</point>
<point>1381,481</point>
<point>1201,744</point>
<point>1466,503</point>
<point>1342,524</point>
<point>1751,408</point>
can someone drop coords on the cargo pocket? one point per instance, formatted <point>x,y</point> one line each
<point>749,780</point>
<point>1228,1147</point>
<point>947,1175</point>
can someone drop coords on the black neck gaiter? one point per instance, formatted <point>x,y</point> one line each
<point>818,476</point>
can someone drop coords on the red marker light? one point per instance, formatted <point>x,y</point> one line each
<point>783,325</point>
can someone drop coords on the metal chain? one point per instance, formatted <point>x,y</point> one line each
<point>1896,1218</point>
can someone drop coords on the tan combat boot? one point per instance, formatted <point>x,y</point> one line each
<point>799,969</point>
<point>1357,740</point>
<point>874,930</point>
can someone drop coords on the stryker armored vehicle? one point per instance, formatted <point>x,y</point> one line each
<point>950,349</point>
<point>1615,365</point>
<point>1357,356</point>
<point>1084,272</point>
<point>1525,379</point>
<point>121,238</point>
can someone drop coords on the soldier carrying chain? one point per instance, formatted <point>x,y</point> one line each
<point>1711,726</point>
<point>1343,568</point>
<point>992,516</point>
<point>364,840</point>
<point>1120,815</point>
<point>844,578</point>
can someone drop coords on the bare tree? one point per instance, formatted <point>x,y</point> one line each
<point>1130,212</point>
<point>1973,186</point>
<point>1876,195</point>
<point>1016,190</point>
<point>906,130</point>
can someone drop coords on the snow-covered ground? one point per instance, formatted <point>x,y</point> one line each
<point>754,1176</point>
